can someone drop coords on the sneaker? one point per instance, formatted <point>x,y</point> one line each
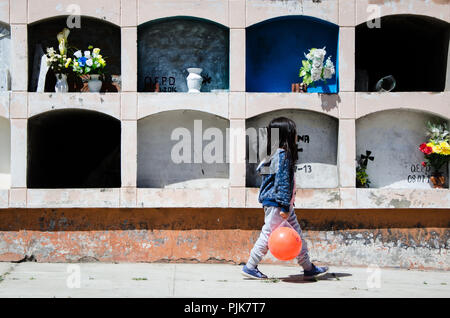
<point>315,272</point>
<point>253,273</point>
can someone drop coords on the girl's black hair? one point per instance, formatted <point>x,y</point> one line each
<point>287,132</point>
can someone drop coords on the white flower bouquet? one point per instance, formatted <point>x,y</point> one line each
<point>313,69</point>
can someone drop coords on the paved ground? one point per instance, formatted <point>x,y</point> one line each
<point>211,280</point>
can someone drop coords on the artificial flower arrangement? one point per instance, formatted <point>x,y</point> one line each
<point>84,63</point>
<point>436,150</point>
<point>313,68</point>
<point>60,63</point>
<point>89,62</point>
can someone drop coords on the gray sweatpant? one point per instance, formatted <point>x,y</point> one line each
<point>272,220</point>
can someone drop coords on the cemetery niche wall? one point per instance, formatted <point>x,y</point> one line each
<point>73,148</point>
<point>5,57</point>
<point>318,141</point>
<point>393,137</point>
<point>182,149</point>
<point>412,49</point>
<point>275,49</point>
<point>5,153</point>
<point>168,47</point>
<point>98,33</point>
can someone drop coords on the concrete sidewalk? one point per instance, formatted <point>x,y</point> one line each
<point>211,280</point>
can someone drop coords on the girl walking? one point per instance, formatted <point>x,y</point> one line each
<point>277,194</point>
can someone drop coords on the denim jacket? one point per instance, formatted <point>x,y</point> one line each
<point>277,184</point>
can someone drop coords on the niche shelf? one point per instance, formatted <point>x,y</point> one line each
<point>393,137</point>
<point>317,164</point>
<point>5,57</point>
<point>94,31</point>
<point>182,149</point>
<point>168,46</point>
<point>73,148</point>
<point>276,47</point>
<point>411,48</point>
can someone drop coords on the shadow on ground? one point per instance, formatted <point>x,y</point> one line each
<point>298,279</point>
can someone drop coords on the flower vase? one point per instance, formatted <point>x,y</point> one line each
<point>438,180</point>
<point>94,83</point>
<point>303,88</point>
<point>61,83</point>
<point>194,80</point>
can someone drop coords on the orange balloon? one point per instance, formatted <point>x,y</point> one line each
<point>285,243</point>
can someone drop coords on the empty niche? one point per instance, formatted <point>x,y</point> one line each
<point>5,57</point>
<point>393,137</point>
<point>412,49</point>
<point>5,153</point>
<point>275,49</point>
<point>98,33</point>
<point>167,47</point>
<point>317,164</point>
<point>73,148</point>
<point>182,149</point>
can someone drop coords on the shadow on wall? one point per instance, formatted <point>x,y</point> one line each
<point>275,49</point>
<point>185,219</point>
<point>167,47</point>
<point>73,149</point>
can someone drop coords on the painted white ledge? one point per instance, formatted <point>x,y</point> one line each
<point>260,103</point>
<point>106,103</point>
<point>436,103</point>
<point>304,199</point>
<point>4,193</point>
<point>182,198</point>
<point>4,103</point>
<point>403,198</point>
<point>260,10</point>
<point>73,198</point>
<point>153,103</point>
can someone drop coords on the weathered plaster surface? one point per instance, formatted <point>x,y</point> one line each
<point>357,238</point>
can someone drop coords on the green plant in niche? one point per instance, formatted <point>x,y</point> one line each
<point>362,178</point>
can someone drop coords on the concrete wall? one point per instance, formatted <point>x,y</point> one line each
<point>394,137</point>
<point>156,166</point>
<point>317,165</point>
<point>401,238</point>
<point>5,153</point>
<point>411,240</point>
<point>167,47</point>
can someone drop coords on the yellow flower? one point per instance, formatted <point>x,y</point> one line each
<point>68,62</point>
<point>75,63</point>
<point>96,50</point>
<point>445,148</point>
<point>437,149</point>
